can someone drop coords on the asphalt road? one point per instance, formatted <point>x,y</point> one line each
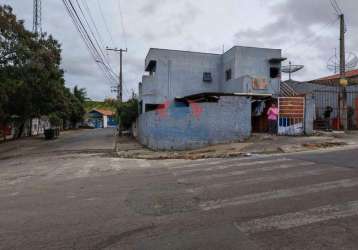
<point>73,193</point>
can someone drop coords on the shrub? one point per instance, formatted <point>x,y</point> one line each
<point>127,113</point>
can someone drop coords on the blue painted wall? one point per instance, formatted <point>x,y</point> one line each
<point>112,121</point>
<point>180,128</point>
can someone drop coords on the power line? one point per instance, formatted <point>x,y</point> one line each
<point>93,53</point>
<point>99,45</point>
<point>336,7</point>
<point>314,37</point>
<point>93,47</point>
<point>89,14</point>
<point>105,23</point>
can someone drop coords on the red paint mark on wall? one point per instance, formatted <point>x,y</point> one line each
<point>196,109</point>
<point>162,110</point>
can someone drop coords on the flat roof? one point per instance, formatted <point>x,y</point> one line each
<point>186,51</point>
<point>210,53</point>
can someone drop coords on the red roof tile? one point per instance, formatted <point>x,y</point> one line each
<point>349,74</point>
<point>105,112</point>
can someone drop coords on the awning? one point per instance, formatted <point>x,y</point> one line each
<point>277,60</point>
<point>216,95</point>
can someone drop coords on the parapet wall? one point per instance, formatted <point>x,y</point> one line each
<point>199,125</point>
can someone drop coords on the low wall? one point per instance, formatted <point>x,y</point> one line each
<point>200,124</point>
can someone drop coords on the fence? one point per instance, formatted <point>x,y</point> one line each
<point>329,97</point>
<point>291,115</point>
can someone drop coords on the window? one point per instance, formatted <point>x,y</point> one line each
<point>274,72</point>
<point>140,107</point>
<point>228,75</point>
<point>152,67</point>
<point>207,77</point>
<point>151,107</point>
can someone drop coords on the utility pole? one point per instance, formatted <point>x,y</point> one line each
<point>120,83</point>
<point>37,17</point>
<point>342,70</point>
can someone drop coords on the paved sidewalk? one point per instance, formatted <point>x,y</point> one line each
<point>257,144</point>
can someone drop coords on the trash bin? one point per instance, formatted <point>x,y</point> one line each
<point>51,133</point>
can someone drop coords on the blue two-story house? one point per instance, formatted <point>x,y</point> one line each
<point>192,99</point>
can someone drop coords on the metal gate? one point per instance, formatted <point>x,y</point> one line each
<point>329,97</point>
<point>291,115</point>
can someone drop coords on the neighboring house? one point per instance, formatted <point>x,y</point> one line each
<point>101,118</point>
<point>192,99</point>
<point>325,92</point>
<point>351,76</point>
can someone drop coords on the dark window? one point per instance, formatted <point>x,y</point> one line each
<point>274,72</point>
<point>152,67</point>
<point>228,75</point>
<point>207,77</point>
<point>153,70</point>
<point>151,107</point>
<point>140,107</point>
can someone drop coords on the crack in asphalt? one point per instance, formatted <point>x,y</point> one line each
<point>115,239</point>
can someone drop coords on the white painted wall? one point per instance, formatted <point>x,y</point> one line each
<point>105,121</point>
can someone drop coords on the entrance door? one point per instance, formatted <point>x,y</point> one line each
<point>291,115</point>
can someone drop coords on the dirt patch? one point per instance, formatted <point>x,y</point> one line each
<point>158,200</point>
<point>323,145</point>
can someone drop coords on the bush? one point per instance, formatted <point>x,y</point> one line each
<point>127,113</point>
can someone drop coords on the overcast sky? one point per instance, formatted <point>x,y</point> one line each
<point>306,31</point>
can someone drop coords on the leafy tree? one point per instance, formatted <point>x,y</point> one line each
<point>76,101</point>
<point>127,113</point>
<point>31,79</point>
<point>80,94</point>
<point>55,120</point>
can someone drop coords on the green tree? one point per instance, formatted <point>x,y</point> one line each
<point>76,101</point>
<point>127,113</point>
<point>31,79</point>
<point>80,94</point>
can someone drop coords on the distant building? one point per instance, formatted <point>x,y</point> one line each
<point>101,118</point>
<point>333,80</point>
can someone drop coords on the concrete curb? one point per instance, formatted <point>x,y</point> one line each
<point>282,150</point>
